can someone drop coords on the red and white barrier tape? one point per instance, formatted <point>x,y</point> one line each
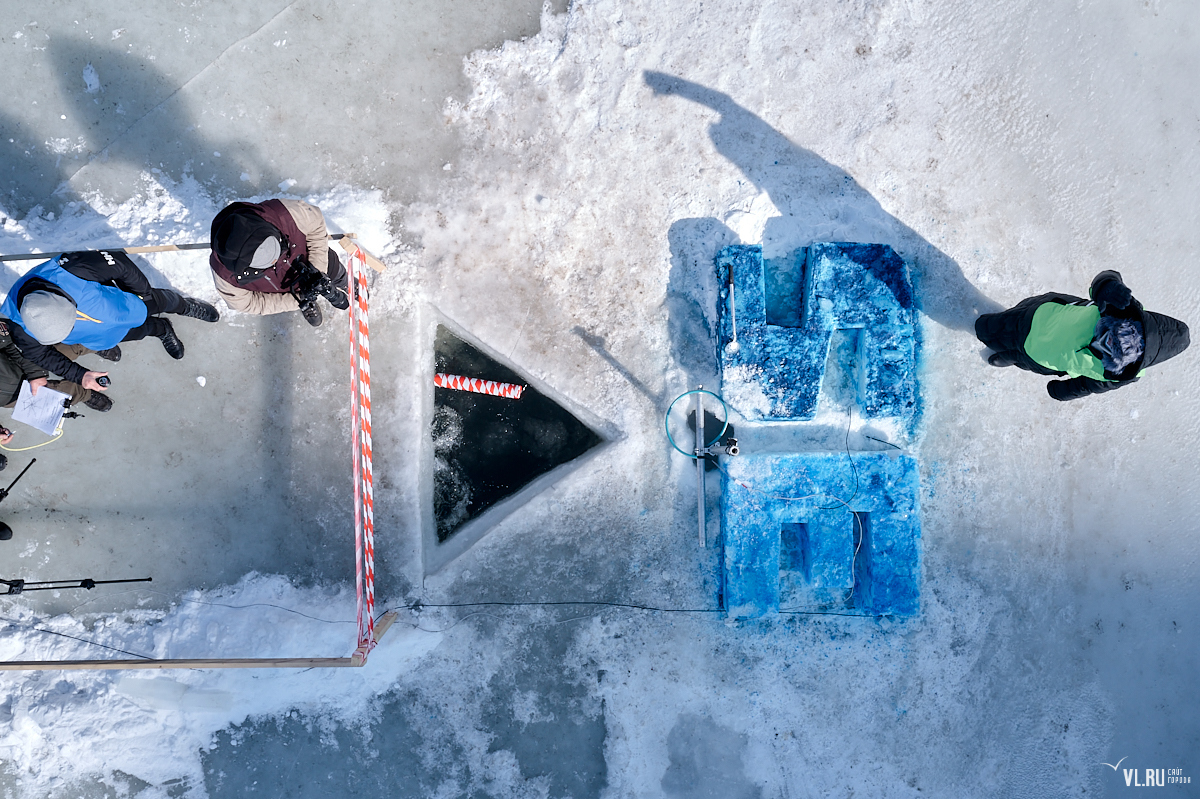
<point>360,436</point>
<point>460,383</point>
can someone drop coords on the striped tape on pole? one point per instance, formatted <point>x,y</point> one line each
<point>460,383</point>
<point>360,442</point>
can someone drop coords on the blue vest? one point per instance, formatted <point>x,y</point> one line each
<point>104,314</point>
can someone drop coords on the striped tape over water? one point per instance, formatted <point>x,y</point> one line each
<point>491,387</point>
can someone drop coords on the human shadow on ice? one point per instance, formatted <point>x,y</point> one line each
<point>821,202</point>
<point>30,168</point>
<point>28,165</point>
<point>137,120</point>
<point>598,344</point>
<point>111,94</point>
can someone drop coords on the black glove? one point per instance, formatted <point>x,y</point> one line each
<point>1076,387</point>
<point>1108,290</point>
<point>1059,390</point>
<point>303,282</point>
<point>306,283</point>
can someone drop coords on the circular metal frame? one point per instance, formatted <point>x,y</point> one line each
<point>667,420</point>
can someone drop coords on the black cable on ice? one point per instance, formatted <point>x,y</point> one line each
<point>74,638</point>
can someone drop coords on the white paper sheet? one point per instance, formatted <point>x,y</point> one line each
<point>42,411</point>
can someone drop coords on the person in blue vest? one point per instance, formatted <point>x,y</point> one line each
<point>85,302</point>
<point>1099,344</point>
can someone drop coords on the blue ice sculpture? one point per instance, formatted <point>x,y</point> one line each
<point>791,544</point>
<point>775,334</point>
<point>810,531</point>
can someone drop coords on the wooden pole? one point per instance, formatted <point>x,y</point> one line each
<point>196,663</point>
<point>372,261</point>
<point>202,663</point>
<point>30,256</point>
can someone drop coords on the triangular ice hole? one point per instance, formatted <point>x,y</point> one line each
<point>487,448</point>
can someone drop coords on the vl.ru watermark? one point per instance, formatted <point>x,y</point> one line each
<point>1151,777</point>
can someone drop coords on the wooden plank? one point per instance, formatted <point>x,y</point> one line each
<point>195,663</point>
<point>350,243</point>
<point>385,622</point>
<point>166,247</point>
<point>203,245</point>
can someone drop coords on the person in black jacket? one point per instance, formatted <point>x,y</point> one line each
<point>16,369</point>
<point>85,302</point>
<point>1100,344</point>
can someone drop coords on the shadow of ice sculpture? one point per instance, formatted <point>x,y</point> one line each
<point>789,543</point>
<point>775,339</point>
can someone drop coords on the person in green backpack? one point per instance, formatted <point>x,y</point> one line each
<point>1099,344</point>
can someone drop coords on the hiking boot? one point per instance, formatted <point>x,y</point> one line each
<point>98,402</point>
<point>171,342</point>
<point>199,309</point>
<point>312,314</point>
<point>1001,359</point>
<point>111,354</point>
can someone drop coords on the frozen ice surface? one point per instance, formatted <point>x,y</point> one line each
<point>1002,149</point>
<point>316,92</point>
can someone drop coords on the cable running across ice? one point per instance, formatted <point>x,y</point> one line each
<point>417,606</point>
<point>74,638</point>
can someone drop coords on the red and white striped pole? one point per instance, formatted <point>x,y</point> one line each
<point>360,416</point>
<point>460,383</point>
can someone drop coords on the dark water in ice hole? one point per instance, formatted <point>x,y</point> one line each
<point>488,448</point>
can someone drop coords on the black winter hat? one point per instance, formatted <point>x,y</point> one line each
<point>236,236</point>
<point>1166,337</point>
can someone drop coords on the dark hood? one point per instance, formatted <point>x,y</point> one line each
<point>1166,337</point>
<point>41,284</point>
<point>237,232</point>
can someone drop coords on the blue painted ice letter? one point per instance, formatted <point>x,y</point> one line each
<point>811,552</point>
<point>776,330</point>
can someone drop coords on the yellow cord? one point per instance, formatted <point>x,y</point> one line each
<point>57,435</point>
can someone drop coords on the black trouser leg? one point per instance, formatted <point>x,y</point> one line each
<point>336,272</point>
<point>163,301</point>
<point>157,301</point>
<point>1006,358</point>
<point>153,326</point>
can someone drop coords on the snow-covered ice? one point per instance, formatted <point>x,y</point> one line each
<point>596,167</point>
